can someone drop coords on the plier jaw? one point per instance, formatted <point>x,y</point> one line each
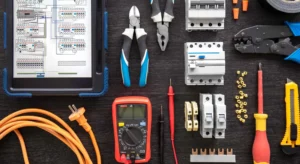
<point>134,17</point>
<point>162,20</point>
<point>163,35</point>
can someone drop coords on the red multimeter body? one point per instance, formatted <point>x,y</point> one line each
<point>132,120</point>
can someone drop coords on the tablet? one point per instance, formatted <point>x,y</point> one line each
<point>55,47</point>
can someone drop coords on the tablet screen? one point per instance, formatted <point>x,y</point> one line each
<point>52,39</point>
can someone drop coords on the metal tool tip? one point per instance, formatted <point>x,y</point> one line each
<point>161,109</point>
<point>170,82</point>
<point>288,80</point>
<point>134,11</point>
<point>259,66</point>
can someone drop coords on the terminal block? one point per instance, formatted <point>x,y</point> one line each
<point>205,14</point>
<point>220,116</point>
<point>191,116</point>
<point>204,63</point>
<point>206,115</point>
<point>195,116</point>
<point>188,112</point>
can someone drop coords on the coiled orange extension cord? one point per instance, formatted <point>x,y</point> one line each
<point>24,118</point>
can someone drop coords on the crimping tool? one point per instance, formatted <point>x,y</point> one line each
<point>291,140</point>
<point>141,35</point>
<point>262,39</point>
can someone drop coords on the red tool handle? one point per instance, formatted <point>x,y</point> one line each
<point>261,148</point>
<point>171,111</point>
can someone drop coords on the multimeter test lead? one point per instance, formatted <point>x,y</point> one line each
<point>171,115</point>
<point>162,137</point>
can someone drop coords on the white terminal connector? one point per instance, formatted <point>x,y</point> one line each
<point>220,116</point>
<point>206,115</point>
<point>205,14</point>
<point>204,63</point>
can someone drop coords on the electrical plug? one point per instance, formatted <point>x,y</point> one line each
<point>78,115</point>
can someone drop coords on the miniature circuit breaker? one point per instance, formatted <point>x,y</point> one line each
<point>206,115</point>
<point>220,116</point>
<point>204,63</point>
<point>205,14</point>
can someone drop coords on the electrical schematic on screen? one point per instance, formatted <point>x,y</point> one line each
<point>52,39</point>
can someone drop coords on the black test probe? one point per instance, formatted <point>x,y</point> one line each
<point>162,137</point>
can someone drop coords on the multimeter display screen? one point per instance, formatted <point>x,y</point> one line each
<point>132,111</point>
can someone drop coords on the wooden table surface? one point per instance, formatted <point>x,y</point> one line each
<point>44,148</point>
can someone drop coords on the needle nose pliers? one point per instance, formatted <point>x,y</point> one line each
<point>141,35</point>
<point>163,21</point>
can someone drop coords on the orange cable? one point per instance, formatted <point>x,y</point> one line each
<point>14,121</point>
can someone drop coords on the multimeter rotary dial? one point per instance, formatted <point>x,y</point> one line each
<point>133,137</point>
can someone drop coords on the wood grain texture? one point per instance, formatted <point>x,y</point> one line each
<point>44,148</point>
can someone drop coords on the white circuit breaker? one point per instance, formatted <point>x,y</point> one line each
<point>204,63</point>
<point>206,115</point>
<point>205,14</point>
<point>220,116</point>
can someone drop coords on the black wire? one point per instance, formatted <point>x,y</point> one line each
<point>132,158</point>
<point>133,161</point>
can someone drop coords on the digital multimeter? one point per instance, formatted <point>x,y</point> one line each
<point>132,119</point>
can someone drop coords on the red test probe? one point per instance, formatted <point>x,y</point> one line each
<point>171,115</point>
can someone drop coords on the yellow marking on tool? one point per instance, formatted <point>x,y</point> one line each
<point>292,115</point>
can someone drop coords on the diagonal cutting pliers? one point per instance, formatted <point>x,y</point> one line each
<point>268,39</point>
<point>163,21</point>
<point>141,35</point>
